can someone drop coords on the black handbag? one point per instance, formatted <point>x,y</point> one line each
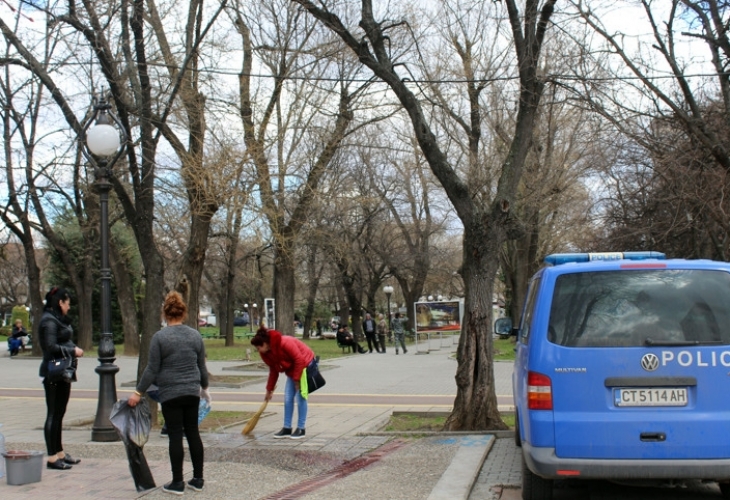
<point>61,369</point>
<point>315,380</point>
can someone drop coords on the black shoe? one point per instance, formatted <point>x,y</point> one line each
<point>196,484</point>
<point>298,434</point>
<point>58,465</point>
<point>396,352</point>
<point>174,487</point>
<point>283,433</point>
<point>405,351</point>
<point>163,432</point>
<point>71,460</point>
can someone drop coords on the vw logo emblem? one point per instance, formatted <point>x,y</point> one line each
<point>650,362</point>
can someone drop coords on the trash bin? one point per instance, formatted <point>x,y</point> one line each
<point>23,467</point>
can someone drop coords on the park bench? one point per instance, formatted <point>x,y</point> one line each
<point>344,346</point>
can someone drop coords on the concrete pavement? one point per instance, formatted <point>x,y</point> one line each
<point>343,456</point>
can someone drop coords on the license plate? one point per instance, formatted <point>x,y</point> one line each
<point>651,396</point>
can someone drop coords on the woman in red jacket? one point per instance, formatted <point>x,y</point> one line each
<point>290,356</point>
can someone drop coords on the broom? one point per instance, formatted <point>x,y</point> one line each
<point>254,420</point>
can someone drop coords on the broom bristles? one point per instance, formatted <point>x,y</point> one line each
<point>254,420</point>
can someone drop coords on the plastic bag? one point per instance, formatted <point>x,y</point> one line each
<point>203,410</point>
<point>132,424</point>
<point>133,427</point>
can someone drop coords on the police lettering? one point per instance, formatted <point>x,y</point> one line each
<point>699,358</point>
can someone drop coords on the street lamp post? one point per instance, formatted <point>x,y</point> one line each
<point>103,140</point>
<point>250,315</point>
<point>388,290</point>
<point>248,311</point>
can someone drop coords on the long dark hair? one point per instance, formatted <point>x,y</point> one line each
<point>53,297</point>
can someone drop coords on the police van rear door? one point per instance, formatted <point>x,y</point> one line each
<point>639,360</point>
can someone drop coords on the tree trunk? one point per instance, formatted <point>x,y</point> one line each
<point>191,272</point>
<point>342,307</point>
<point>34,281</point>
<point>520,263</point>
<point>152,303</point>
<point>284,283</point>
<point>126,300</point>
<point>313,276</point>
<point>85,296</point>
<point>475,406</point>
<point>227,311</point>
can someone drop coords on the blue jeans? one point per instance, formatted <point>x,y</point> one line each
<point>14,345</point>
<point>290,392</point>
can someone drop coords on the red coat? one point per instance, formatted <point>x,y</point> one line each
<point>288,355</point>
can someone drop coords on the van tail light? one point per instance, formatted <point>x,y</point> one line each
<point>539,392</point>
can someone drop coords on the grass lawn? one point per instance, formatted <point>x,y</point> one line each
<point>404,422</point>
<point>217,420</point>
<point>217,351</point>
<point>504,350</point>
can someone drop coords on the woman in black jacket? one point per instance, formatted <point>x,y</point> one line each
<point>55,338</point>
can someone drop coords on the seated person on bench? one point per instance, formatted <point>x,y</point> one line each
<point>345,338</point>
<point>18,338</point>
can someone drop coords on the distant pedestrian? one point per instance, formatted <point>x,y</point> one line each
<point>368,327</point>
<point>399,331</point>
<point>346,338</point>
<point>319,327</point>
<point>55,334</point>
<point>177,365</point>
<point>382,332</point>
<point>291,356</point>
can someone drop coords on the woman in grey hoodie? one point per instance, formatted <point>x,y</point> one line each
<point>177,365</point>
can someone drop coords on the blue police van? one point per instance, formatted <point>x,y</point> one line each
<point>622,371</point>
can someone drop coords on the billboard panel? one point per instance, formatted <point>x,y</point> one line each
<point>439,316</point>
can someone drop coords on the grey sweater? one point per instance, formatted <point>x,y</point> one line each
<point>176,363</point>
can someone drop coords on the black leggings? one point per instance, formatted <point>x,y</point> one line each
<point>181,417</point>
<point>57,394</point>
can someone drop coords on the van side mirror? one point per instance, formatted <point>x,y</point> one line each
<point>503,327</point>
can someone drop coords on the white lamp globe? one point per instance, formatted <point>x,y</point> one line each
<point>388,289</point>
<point>102,140</point>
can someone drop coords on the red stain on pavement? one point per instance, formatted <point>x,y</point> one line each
<point>326,478</point>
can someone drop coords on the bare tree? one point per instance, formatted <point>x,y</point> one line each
<point>288,184</point>
<point>668,92</point>
<point>487,224</point>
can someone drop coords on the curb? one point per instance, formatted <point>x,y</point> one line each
<point>458,480</point>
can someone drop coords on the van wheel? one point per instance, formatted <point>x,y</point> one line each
<point>534,487</point>
<point>725,489</point>
<point>518,440</point>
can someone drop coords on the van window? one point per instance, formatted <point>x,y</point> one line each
<point>625,308</point>
<point>529,308</point>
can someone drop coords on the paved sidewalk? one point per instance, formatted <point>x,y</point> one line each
<point>342,456</point>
